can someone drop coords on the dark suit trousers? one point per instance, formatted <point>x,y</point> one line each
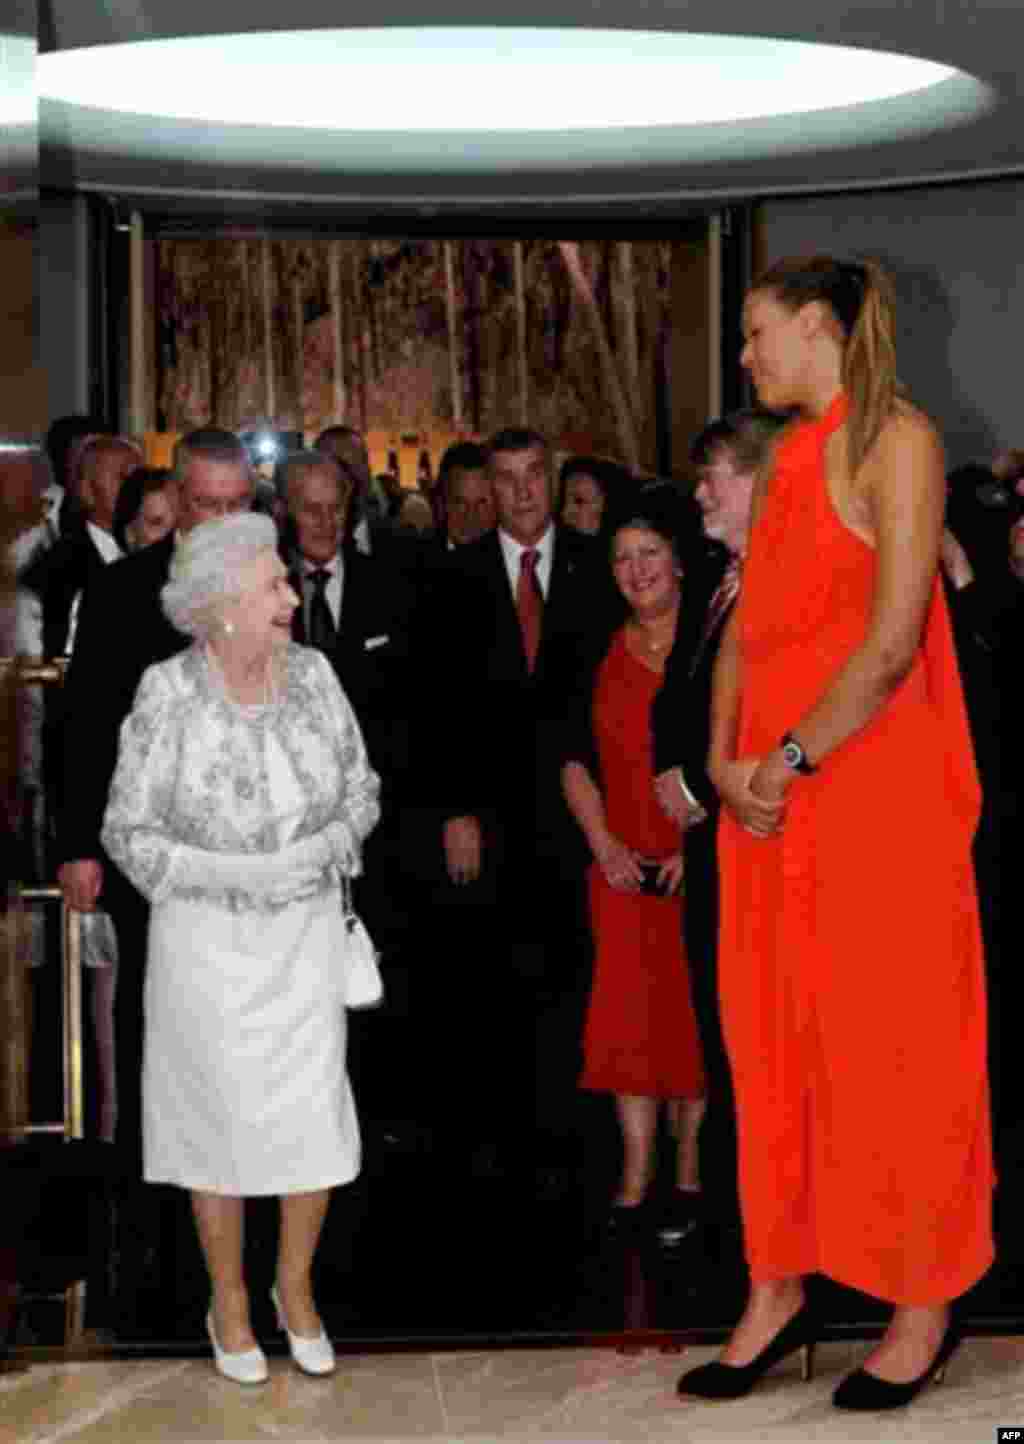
<point>498,989</point>
<point>717,1142</point>
<point>129,912</point>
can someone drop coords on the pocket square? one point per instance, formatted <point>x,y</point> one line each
<point>372,642</point>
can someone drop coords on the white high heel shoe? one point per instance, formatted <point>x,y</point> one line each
<point>313,1356</point>
<point>248,1366</point>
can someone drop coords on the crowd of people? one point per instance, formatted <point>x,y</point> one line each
<point>667,793</point>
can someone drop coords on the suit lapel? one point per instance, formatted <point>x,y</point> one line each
<point>356,605</point>
<point>94,562</point>
<point>352,601</point>
<point>161,554</point>
<point>154,570</point>
<point>562,568</point>
<point>508,636</point>
<point>297,583</point>
<point>562,595</point>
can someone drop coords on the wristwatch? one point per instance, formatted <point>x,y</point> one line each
<point>794,755</point>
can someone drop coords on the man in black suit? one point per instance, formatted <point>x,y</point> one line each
<point>122,630</point>
<point>467,494</point>
<point>58,574</point>
<point>515,611</point>
<point>358,611</point>
<point>54,580</point>
<point>462,502</point>
<point>66,438</point>
<point>728,456</point>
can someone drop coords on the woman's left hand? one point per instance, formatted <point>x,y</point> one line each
<point>772,778</point>
<point>670,875</point>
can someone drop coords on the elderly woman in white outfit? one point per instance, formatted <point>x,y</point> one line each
<point>242,793</point>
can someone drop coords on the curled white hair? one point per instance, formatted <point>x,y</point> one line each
<point>205,566</point>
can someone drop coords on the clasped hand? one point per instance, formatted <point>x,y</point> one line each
<point>463,849</point>
<point>622,870</point>
<point>673,801</point>
<point>753,789</point>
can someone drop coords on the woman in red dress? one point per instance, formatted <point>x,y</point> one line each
<point>850,963</point>
<point>640,1041</point>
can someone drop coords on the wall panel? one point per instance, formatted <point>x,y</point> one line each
<point>955,255</point>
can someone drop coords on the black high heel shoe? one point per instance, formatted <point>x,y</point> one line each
<point>733,1381</point>
<point>863,1391</point>
<point>681,1215</point>
<point>626,1220</point>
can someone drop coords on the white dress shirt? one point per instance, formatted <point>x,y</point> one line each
<point>361,537</point>
<point>104,543</point>
<point>512,551</point>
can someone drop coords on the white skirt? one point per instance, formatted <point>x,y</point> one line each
<point>244,1088</point>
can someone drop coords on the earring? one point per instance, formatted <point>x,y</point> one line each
<point>228,628</point>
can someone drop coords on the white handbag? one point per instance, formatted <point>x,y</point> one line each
<point>362,986</point>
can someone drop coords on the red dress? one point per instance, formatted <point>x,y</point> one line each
<point>850,964</point>
<point>641,1033</point>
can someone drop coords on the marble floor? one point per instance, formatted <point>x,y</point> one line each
<point>559,1396</point>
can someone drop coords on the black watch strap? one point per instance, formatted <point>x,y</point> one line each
<point>794,755</point>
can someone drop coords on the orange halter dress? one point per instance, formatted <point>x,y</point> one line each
<point>850,960</point>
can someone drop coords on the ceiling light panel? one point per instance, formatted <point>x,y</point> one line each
<point>478,79</point>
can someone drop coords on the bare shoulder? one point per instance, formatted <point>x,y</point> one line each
<point>909,435</point>
<point>906,460</point>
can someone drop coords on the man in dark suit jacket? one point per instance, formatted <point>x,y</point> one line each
<point>121,631</point>
<point>61,572</point>
<point>462,501</point>
<point>466,495</point>
<point>727,455</point>
<point>515,611</point>
<point>357,610</point>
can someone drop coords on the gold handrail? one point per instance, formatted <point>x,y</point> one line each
<point>29,670</point>
<point>14,1008</point>
<point>73,1125</point>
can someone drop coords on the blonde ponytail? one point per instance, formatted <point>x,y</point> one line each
<point>869,366</point>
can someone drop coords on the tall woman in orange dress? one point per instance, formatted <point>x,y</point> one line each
<point>851,970</point>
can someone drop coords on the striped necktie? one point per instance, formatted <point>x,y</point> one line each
<point>721,600</point>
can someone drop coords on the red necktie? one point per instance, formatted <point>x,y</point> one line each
<point>529,605</point>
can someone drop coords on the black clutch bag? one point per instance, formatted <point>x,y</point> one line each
<point>650,884</point>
